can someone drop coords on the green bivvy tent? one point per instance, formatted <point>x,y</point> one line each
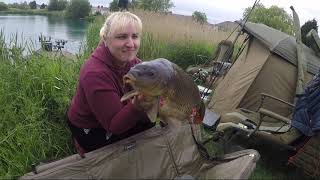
<point>268,64</point>
<point>257,93</point>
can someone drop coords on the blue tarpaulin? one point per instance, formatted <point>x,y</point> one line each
<point>306,117</point>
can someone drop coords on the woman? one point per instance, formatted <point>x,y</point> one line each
<point>96,115</point>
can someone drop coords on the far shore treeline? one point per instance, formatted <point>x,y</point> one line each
<point>74,9</point>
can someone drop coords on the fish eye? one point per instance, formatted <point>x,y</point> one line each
<point>150,74</point>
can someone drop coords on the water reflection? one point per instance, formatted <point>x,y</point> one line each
<point>57,28</point>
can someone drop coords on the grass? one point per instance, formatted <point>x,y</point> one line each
<point>35,92</point>
<point>273,163</point>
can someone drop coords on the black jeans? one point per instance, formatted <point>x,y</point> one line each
<point>95,138</point>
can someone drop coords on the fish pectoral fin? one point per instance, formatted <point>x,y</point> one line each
<point>152,113</point>
<point>129,95</point>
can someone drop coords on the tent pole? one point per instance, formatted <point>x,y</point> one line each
<point>301,64</point>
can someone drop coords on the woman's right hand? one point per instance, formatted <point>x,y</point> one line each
<point>143,103</point>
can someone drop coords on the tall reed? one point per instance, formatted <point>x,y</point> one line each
<point>182,51</point>
<point>34,95</point>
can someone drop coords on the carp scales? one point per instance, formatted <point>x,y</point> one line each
<point>173,92</point>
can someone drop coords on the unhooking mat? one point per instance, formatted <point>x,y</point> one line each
<point>157,153</point>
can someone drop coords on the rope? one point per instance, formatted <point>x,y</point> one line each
<point>202,150</point>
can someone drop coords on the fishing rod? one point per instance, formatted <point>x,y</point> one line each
<point>230,50</point>
<point>203,151</point>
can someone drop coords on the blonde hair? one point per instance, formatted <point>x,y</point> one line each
<point>117,21</point>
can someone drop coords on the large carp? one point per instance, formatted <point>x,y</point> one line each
<point>174,93</point>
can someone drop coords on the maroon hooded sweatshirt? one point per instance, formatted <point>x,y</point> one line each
<point>97,103</point>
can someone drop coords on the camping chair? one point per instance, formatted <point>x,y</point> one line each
<point>301,134</point>
<point>217,66</point>
<point>266,124</point>
<point>263,124</point>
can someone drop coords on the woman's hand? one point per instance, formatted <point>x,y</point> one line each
<point>143,103</point>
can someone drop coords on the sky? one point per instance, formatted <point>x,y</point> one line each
<point>227,10</point>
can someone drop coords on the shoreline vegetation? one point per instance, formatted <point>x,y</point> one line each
<point>44,12</point>
<point>35,91</point>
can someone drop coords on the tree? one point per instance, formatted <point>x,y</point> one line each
<point>43,6</point>
<point>3,6</point>
<point>133,4</point>
<point>199,17</point>
<point>24,5</point>
<point>13,5</point>
<point>53,4</point>
<point>311,24</point>
<point>155,5</point>
<point>274,17</point>
<point>113,6</point>
<point>78,9</point>
<point>57,5</point>
<point>123,5</point>
<point>33,5</point>
<point>62,5</point>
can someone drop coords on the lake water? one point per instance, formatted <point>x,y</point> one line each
<point>32,26</point>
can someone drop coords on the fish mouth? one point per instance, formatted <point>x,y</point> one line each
<point>129,79</point>
<point>129,95</point>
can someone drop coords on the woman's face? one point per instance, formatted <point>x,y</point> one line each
<point>124,43</point>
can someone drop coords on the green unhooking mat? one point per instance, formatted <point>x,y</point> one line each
<point>158,153</point>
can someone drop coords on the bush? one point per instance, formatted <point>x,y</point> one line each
<point>92,35</point>
<point>199,17</point>
<point>113,6</point>
<point>3,6</point>
<point>78,9</point>
<point>273,16</point>
<point>57,5</point>
<point>62,5</point>
<point>154,5</point>
<point>186,53</point>
<point>311,24</point>
<point>97,13</point>
<point>33,5</point>
<point>53,4</point>
<point>43,6</point>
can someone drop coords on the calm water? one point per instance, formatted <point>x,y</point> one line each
<point>30,27</point>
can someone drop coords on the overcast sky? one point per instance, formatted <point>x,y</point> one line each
<point>228,10</point>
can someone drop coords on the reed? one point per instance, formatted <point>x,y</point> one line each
<point>184,51</point>
<point>34,95</point>
<point>173,27</point>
